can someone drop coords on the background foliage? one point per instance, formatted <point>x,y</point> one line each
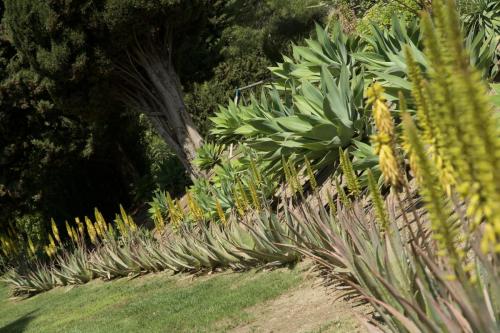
<point>66,146</point>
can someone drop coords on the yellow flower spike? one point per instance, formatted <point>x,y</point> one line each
<point>80,227</point>
<point>127,219</point>
<point>378,202</point>
<point>172,210</point>
<point>244,199</point>
<point>444,231</point>
<point>295,178</point>
<point>194,208</point>
<point>331,204</point>
<point>350,175</point>
<point>47,251</point>
<point>389,165</point>
<point>158,219</point>
<point>288,175</point>
<point>51,246</point>
<point>132,223</point>
<point>111,231</point>
<point>199,211</point>
<point>384,140</point>
<point>69,230</point>
<point>55,231</point>
<point>254,195</point>
<point>220,211</point>
<point>101,221</point>
<point>75,234</point>
<point>238,202</point>
<point>91,231</point>
<point>341,193</point>
<point>382,117</point>
<point>310,174</point>
<point>426,115</point>
<point>31,246</point>
<point>255,171</point>
<point>122,228</point>
<point>51,241</point>
<point>375,93</point>
<point>381,114</point>
<point>180,211</point>
<point>124,218</point>
<point>98,231</point>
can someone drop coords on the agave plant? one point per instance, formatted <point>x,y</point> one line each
<point>481,20</point>
<point>384,59</point>
<point>481,15</point>
<point>484,52</point>
<point>314,123</point>
<point>333,50</point>
<point>159,208</point>
<point>314,105</point>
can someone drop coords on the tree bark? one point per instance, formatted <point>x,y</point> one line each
<point>153,87</point>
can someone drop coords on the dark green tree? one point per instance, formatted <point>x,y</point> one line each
<point>55,161</point>
<point>98,56</point>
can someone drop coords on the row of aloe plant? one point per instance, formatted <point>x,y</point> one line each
<point>238,247</point>
<point>188,240</point>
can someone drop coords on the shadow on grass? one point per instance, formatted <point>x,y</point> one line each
<point>19,325</point>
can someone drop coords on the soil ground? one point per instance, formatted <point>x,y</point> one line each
<point>308,308</point>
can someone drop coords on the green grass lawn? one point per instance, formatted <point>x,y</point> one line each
<point>154,303</point>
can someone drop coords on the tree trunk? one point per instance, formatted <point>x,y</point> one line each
<point>153,87</point>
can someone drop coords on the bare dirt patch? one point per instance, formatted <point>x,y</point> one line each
<point>306,309</point>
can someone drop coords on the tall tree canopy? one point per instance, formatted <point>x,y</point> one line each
<point>59,156</point>
<point>97,55</point>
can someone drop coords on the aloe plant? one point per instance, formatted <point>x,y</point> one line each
<point>73,267</point>
<point>209,155</point>
<point>260,240</point>
<point>28,281</point>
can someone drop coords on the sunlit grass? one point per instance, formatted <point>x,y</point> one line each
<point>156,303</point>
